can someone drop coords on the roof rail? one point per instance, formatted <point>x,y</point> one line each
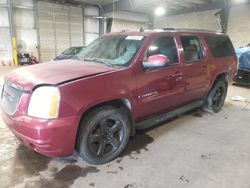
<point>184,29</point>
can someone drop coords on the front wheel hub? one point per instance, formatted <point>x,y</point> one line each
<point>106,137</point>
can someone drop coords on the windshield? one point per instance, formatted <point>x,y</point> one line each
<point>115,50</point>
<point>72,51</point>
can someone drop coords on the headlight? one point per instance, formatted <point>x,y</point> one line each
<point>44,102</point>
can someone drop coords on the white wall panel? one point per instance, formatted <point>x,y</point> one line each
<point>5,38</point>
<point>129,16</point>
<point>30,38</point>
<point>90,37</point>
<point>24,24</point>
<point>4,20</point>
<point>23,3</point>
<point>194,20</point>
<point>91,11</point>
<point>119,25</point>
<point>91,25</point>
<point>5,46</point>
<point>3,2</point>
<point>124,20</point>
<point>239,25</point>
<point>24,18</point>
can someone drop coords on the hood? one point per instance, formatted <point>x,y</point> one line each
<point>54,73</point>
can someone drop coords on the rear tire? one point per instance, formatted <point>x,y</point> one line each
<point>216,97</point>
<point>103,135</point>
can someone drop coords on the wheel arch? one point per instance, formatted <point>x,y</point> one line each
<point>123,104</point>
<point>222,76</point>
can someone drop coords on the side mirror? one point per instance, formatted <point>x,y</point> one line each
<point>156,61</point>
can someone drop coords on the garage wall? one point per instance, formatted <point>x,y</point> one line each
<point>24,25</point>
<point>91,24</point>
<point>128,21</point>
<point>239,25</point>
<point>60,27</point>
<point>5,38</point>
<point>196,20</point>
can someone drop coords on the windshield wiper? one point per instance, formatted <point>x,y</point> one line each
<point>98,61</point>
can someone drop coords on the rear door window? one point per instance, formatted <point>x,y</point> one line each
<point>220,46</point>
<point>192,48</point>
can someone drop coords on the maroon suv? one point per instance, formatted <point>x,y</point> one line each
<point>121,82</point>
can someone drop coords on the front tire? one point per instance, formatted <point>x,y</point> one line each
<point>103,135</point>
<point>216,97</point>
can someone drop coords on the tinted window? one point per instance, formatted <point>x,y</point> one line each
<point>220,46</point>
<point>164,46</point>
<point>192,48</point>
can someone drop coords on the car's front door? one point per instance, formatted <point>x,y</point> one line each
<point>160,89</point>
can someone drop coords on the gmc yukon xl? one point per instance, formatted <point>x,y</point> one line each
<point>122,82</point>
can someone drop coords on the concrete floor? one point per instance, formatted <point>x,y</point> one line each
<point>197,149</point>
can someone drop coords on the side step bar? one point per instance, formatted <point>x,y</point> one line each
<point>163,117</point>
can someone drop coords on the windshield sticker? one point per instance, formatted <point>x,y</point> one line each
<point>134,37</point>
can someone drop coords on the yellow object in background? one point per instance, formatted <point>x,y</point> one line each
<point>14,51</point>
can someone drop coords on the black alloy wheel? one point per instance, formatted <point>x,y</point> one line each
<point>103,135</point>
<point>106,137</point>
<point>216,97</point>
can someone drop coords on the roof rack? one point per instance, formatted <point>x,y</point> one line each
<point>184,29</point>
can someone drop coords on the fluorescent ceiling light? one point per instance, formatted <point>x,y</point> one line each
<point>239,1</point>
<point>160,11</point>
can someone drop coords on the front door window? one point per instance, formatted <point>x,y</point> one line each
<point>164,46</point>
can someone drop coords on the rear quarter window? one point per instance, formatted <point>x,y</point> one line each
<point>220,46</point>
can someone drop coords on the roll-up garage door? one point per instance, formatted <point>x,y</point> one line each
<point>60,27</point>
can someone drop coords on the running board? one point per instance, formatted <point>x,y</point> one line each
<point>163,117</point>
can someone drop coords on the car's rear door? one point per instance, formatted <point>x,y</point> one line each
<point>195,68</point>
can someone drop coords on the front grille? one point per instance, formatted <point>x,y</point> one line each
<point>10,97</point>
